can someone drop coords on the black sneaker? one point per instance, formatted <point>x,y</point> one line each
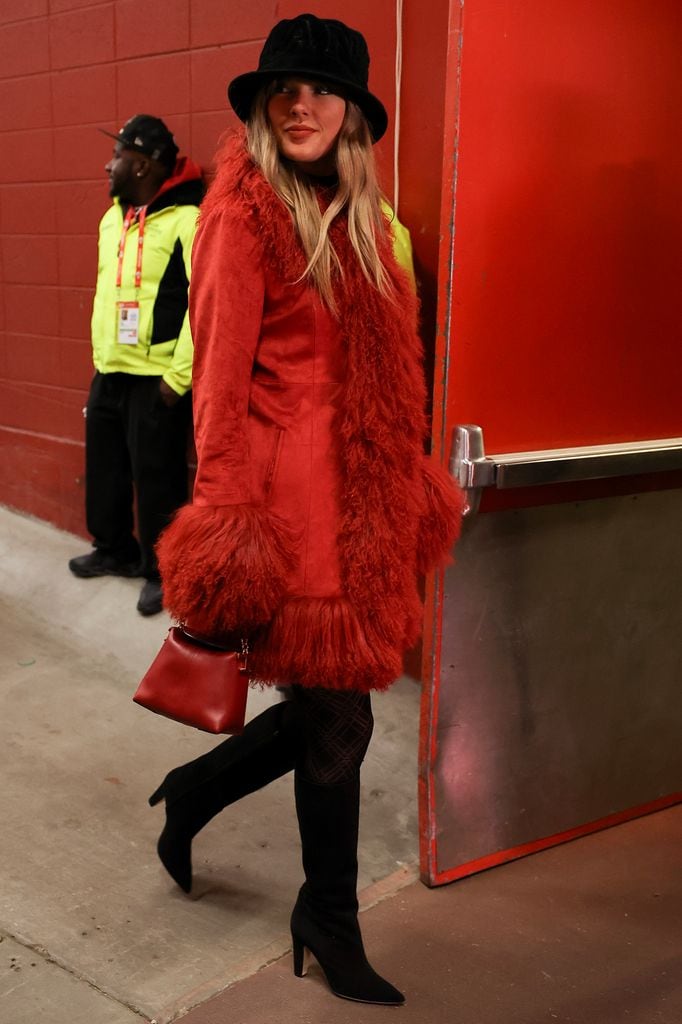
<point>99,564</point>
<point>151,598</point>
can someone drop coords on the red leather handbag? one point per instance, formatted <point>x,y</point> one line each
<point>197,683</point>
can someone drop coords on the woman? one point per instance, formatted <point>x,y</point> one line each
<point>314,509</point>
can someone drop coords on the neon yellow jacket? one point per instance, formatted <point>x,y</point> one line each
<point>402,243</point>
<point>164,346</point>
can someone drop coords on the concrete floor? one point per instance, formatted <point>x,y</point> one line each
<point>83,894</point>
<point>93,932</point>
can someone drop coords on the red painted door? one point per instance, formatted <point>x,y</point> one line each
<point>552,660</point>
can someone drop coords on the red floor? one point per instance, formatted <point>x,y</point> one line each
<point>586,933</point>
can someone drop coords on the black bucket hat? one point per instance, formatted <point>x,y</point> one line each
<point>319,48</point>
<point>148,135</point>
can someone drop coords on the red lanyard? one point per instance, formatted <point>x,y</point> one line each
<point>129,218</point>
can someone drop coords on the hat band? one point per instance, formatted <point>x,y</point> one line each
<point>309,64</point>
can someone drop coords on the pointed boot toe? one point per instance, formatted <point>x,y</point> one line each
<point>341,955</point>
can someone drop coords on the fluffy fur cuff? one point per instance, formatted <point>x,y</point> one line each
<point>225,568</point>
<point>441,519</point>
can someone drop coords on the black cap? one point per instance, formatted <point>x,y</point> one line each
<point>147,135</point>
<point>319,48</point>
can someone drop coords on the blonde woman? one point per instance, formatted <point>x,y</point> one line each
<point>314,508</point>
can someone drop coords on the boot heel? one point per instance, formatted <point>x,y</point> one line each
<point>157,796</point>
<point>299,957</point>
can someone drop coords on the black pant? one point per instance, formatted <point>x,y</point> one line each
<point>133,440</point>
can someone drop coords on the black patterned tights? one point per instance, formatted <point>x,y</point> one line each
<point>337,727</point>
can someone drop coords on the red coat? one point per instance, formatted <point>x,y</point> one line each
<point>314,508</point>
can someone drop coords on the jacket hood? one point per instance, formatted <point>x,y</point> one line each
<point>185,187</point>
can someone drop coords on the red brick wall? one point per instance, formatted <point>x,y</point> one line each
<point>68,67</point>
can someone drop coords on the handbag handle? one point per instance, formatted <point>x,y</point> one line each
<point>204,641</point>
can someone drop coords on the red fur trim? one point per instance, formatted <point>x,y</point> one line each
<point>225,568</point>
<point>440,523</point>
<point>322,642</point>
<point>381,426</point>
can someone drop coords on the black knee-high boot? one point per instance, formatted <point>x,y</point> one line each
<point>197,791</point>
<point>325,918</point>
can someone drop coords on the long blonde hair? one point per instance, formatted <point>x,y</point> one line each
<point>357,190</point>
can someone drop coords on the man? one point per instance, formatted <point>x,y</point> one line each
<point>139,407</point>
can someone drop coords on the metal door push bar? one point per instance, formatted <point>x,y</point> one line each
<point>473,469</point>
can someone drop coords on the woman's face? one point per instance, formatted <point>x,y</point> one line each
<point>306,118</point>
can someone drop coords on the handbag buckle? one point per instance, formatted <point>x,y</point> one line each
<point>244,655</point>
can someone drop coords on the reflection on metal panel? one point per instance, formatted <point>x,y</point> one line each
<point>560,697</point>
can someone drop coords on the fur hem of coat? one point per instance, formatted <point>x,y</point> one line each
<point>225,568</point>
<point>322,642</point>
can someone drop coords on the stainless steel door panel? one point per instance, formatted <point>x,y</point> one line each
<point>560,697</point>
